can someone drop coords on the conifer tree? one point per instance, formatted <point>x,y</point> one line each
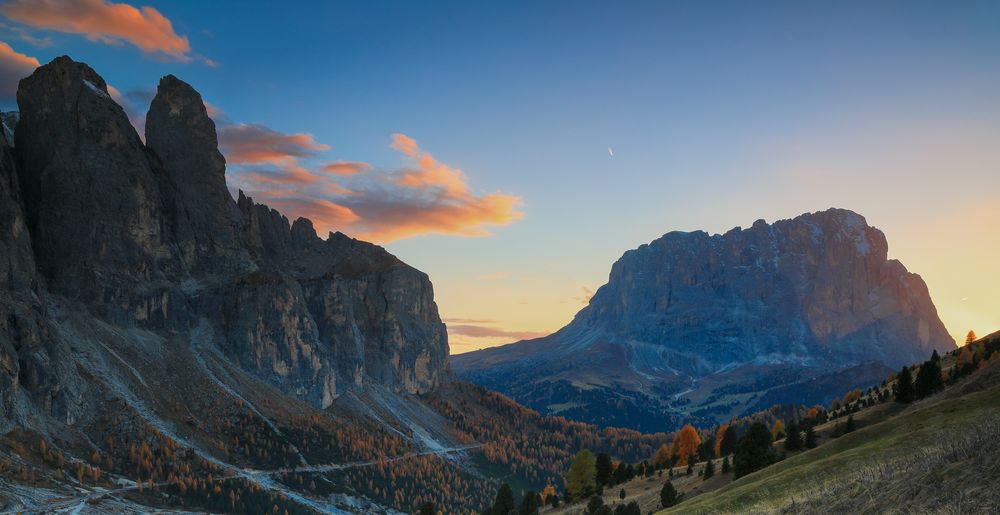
<point>504,502</point>
<point>709,469</point>
<point>604,469</point>
<point>668,495</point>
<point>850,424</point>
<point>929,379</point>
<point>793,437</point>
<point>529,505</point>
<point>753,451</point>
<point>728,444</point>
<point>904,386</point>
<point>725,465</point>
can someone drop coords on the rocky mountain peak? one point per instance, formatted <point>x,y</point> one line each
<point>147,235</point>
<point>204,218</point>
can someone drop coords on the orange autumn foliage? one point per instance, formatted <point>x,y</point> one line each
<point>686,443</point>
<point>662,456</point>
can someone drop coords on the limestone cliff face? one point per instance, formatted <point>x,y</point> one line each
<point>691,318</point>
<point>148,236</point>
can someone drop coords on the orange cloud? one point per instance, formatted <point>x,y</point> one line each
<point>429,173</point>
<point>14,66</point>
<point>244,143</point>
<point>427,198</point>
<point>327,216</point>
<point>99,20</point>
<point>390,219</point>
<point>345,167</point>
<point>291,174</point>
<point>478,331</point>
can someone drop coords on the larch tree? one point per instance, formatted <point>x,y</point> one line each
<point>662,456</point>
<point>581,478</point>
<point>686,441</point>
<point>778,431</point>
<point>971,337</point>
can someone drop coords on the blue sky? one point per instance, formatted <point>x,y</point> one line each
<point>719,113</point>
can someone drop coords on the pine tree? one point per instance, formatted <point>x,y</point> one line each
<point>850,424</point>
<point>753,451</point>
<point>504,502</point>
<point>793,437</point>
<point>529,505</point>
<point>604,469</point>
<point>690,469</point>
<point>904,386</point>
<point>709,469</point>
<point>621,494</point>
<point>631,508</point>
<point>668,495</point>
<point>595,506</point>
<point>811,442</point>
<point>929,379</point>
<point>725,465</point>
<point>729,439</point>
<point>427,508</point>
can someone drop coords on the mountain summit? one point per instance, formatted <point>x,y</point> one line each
<point>705,326</point>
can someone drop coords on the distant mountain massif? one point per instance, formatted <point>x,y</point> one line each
<point>699,327</point>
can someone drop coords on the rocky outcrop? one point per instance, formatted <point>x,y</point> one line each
<point>805,296</point>
<point>148,237</point>
<point>203,219</point>
<point>92,199</point>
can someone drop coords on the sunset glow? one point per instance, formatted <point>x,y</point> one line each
<point>507,193</point>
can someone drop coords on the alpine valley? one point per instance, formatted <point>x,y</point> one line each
<point>165,346</point>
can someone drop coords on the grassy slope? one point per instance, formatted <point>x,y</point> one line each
<point>832,468</point>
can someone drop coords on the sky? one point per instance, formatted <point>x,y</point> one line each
<point>514,150</point>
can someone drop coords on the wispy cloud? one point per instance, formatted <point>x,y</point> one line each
<point>107,22</point>
<point>254,143</point>
<point>14,66</point>
<point>479,331</point>
<point>468,321</point>
<point>345,167</point>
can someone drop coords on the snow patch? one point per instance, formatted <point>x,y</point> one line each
<point>100,92</point>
